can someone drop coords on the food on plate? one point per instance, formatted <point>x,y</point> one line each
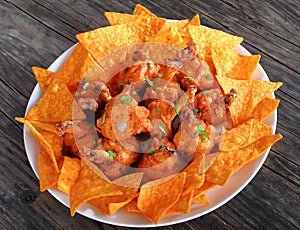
<point>149,115</point>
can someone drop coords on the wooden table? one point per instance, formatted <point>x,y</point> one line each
<point>36,32</point>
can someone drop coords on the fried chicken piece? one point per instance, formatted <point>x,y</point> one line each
<point>159,162</point>
<point>123,118</point>
<point>211,107</point>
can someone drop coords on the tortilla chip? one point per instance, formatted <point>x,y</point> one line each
<point>75,68</point>
<point>192,181</point>
<point>50,142</point>
<point>205,38</point>
<point>141,10</point>
<point>89,186</point>
<point>56,105</point>
<point>264,108</point>
<point>202,199</point>
<point>68,174</point>
<point>129,185</point>
<point>183,204</point>
<point>43,76</point>
<point>195,21</point>
<point>132,206</point>
<point>168,34</point>
<point>244,134</point>
<point>227,163</point>
<point>47,172</point>
<point>230,64</point>
<point>203,189</point>
<point>50,127</point>
<point>180,24</point>
<point>99,42</point>
<point>156,197</point>
<point>249,93</point>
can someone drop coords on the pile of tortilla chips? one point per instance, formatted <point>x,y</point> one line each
<point>246,141</point>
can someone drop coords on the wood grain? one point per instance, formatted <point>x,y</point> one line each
<point>36,32</point>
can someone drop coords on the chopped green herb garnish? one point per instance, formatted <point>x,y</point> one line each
<point>82,80</point>
<point>111,153</point>
<point>205,92</point>
<point>152,151</point>
<point>86,85</point>
<point>204,140</point>
<point>155,110</point>
<point>162,145</point>
<point>94,142</point>
<point>188,77</point>
<point>123,146</point>
<point>134,92</point>
<point>160,74</point>
<point>126,99</point>
<point>151,63</point>
<point>201,131</point>
<point>121,84</point>
<point>176,110</point>
<point>197,110</point>
<point>103,118</point>
<point>208,76</point>
<point>149,81</point>
<point>161,127</point>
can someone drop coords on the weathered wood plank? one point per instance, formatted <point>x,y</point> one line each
<point>26,39</point>
<point>20,79</point>
<point>268,202</point>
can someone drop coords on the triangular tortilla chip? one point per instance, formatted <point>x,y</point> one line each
<point>99,42</point>
<point>249,93</point>
<point>156,197</point>
<point>56,105</point>
<point>129,185</point>
<point>195,21</point>
<point>47,172</point>
<point>230,64</point>
<point>43,76</point>
<point>205,38</point>
<point>68,174</point>
<point>168,34</point>
<point>183,204</point>
<point>141,10</point>
<point>264,108</point>
<point>244,134</point>
<point>50,142</point>
<point>88,186</point>
<point>227,163</point>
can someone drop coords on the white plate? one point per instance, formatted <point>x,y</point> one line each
<point>217,196</point>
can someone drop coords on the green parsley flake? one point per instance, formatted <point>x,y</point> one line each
<point>188,77</point>
<point>197,110</point>
<point>122,84</point>
<point>152,151</point>
<point>162,145</point>
<point>86,85</point>
<point>161,127</point>
<point>176,110</point>
<point>103,118</point>
<point>155,110</point>
<point>201,131</point>
<point>151,63</point>
<point>126,99</point>
<point>204,140</point>
<point>94,142</point>
<point>111,153</point>
<point>208,76</point>
<point>149,81</point>
<point>134,92</point>
<point>160,74</point>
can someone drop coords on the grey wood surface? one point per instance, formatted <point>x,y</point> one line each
<point>36,32</point>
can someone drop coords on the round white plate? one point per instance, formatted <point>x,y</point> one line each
<point>217,196</point>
